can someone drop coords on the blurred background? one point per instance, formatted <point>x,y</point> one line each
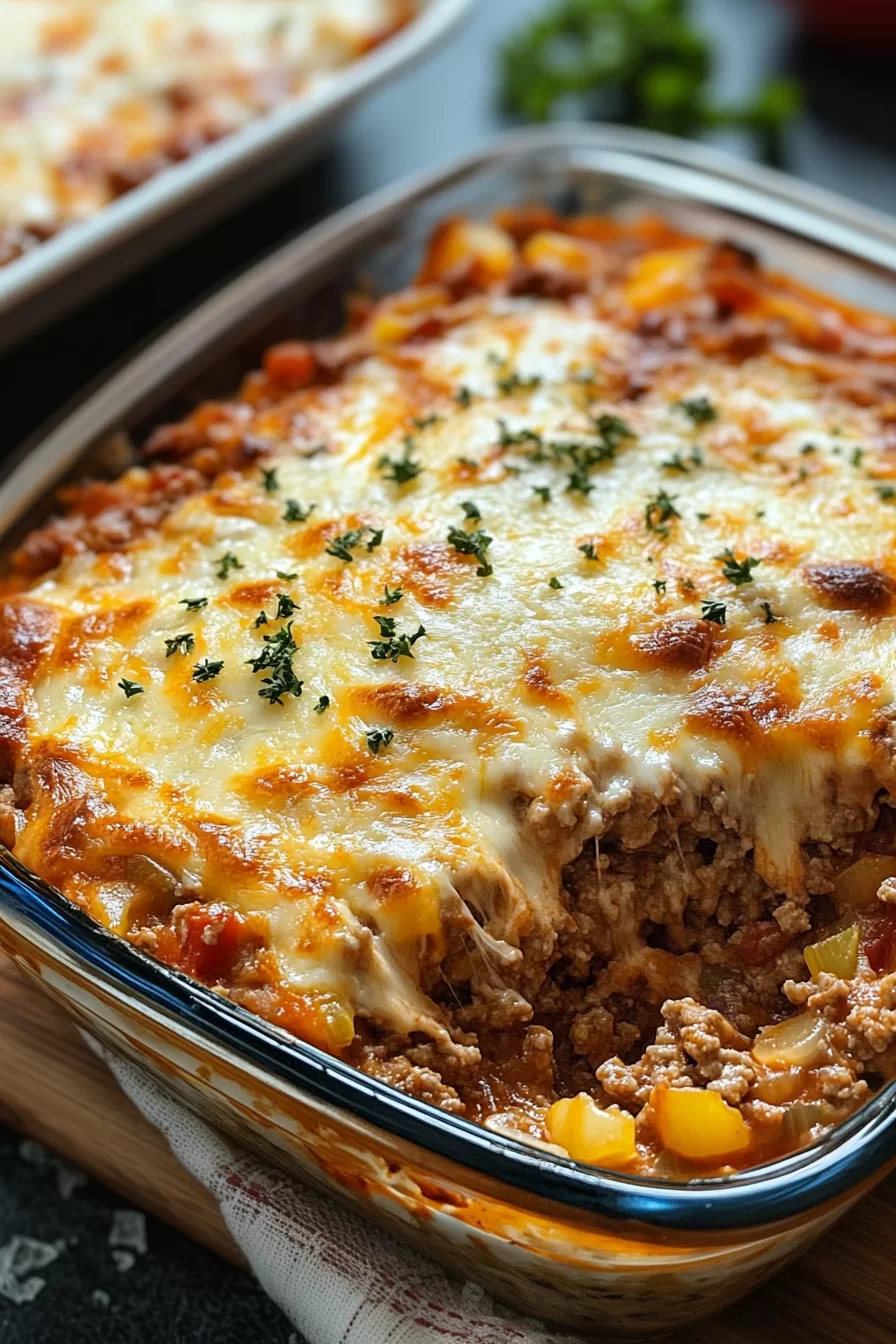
<point>806,83</point>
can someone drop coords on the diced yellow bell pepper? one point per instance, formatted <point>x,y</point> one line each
<point>697,1124</point>
<point>465,240</point>
<point>591,1134</point>
<point>838,955</point>
<point>558,251</point>
<point>799,1041</point>
<point>857,885</point>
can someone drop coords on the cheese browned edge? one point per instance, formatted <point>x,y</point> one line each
<point>499,695</point>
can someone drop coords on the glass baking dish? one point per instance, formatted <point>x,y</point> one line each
<point>580,1246</point>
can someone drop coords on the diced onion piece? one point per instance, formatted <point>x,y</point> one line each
<point>857,885</point>
<point>778,1086</point>
<point>697,1124</point>
<point>838,955</point>
<point>590,1134</point>
<point>800,1118</point>
<point>797,1042</point>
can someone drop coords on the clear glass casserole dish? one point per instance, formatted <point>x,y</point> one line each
<point>574,1244</point>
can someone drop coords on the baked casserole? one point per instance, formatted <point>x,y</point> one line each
<point>97,96</point>
<point>500,695</point>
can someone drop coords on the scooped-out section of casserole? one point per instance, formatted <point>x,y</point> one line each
<point>98,96</point>
<point>500,696</point>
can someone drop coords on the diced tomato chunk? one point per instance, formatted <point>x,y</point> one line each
<point>291,363</point>
<point>879,940</point>
<point>760,942</point>
<point>213,936</point>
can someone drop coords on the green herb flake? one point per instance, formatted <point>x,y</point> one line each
<point>179,644</point>
<point>322,705</point>
<point>714,611</point>
<point>276,658</point>
<point>472,543</point>
<point>294,512</point>
<point>737,571</point>
<point>660,585</point>
<point>130,688</point>
<point>856,457</point>
<point>464,397</point>
<point>613,430</point>
<point>285,575</point>
<point>808,448</point>
<point>260,619</point>
<point>589,550</point>
<point>377,738</point>
<point>700,410</point>
<point>207,670</point>
<point>391,645</point>
<point>471,510</point>
<point>269,479</point>
<point>422,422</point>
<point>402,469</point>
<point>509,438</point>
<point>517,382</point>
<point>543,492</point>
<point>887,493</point>
<point>675,463</point>
<point>703,517</point>
<point>770,616</point>
<point>391,596</point>
<point>227,563</point>
<point>194,603</point>
<point>342,546</point>
<point>660,511</point>
<point>554,582</point>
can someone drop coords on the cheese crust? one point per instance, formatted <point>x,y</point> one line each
<point>97,96</point>
<point>497,696</point>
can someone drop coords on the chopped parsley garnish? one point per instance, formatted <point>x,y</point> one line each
<point>285,607</point>
<point>554,582</point>
<point>702,517</point>
<point>285,575</point>
<point>422,422</point>
<point>886,492</point>
<point>342,546</point>
<point>269,479</point>
<point>589,550</point>
<point>295,513</point>
<point>322,705</point>
<point>261,619</point>
<point>700,409</point>
<point>579,482</point>
<point>472,543</point>
<point>808,448</point>
<point>737,571</point>
<point>543,492</point>
<point>400,469</point>
<point>659,511</point>
<point>613,429</point>
<point>770,616</point>
<point>660,585</point>
<point>468,462</point>
<point>194,603</point>
<point>714,611</point>
<point>130,688</point>
<point>857,455</point>
<point>507,438</point>
<point>391,645</point>
<point>518,382</point>
<point>276,657</point>
<point>463,396</point>
<point>378,737</point>
<point>227,562</point>
<point>179,644</point>
<point>471,510</point>
<point>207,670</point>
<point>391,596</point>
<point>675,463</point>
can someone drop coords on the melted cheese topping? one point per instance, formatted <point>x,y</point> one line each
<point>90,86</point>
<point>659,634</point>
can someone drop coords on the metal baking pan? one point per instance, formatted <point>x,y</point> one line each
<point>594,1249</point>
<point>89,256</point>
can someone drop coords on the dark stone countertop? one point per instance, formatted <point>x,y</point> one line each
<point>179,1293</point>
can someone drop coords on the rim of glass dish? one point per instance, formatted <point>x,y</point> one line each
<point>850,1154</point>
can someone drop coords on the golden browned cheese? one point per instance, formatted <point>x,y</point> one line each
<point>323,698</point>
<point>96,96</point>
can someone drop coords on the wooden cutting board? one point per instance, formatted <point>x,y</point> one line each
<point>54,1089</point>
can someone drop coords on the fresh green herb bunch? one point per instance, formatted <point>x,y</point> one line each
<point>639,61</point>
